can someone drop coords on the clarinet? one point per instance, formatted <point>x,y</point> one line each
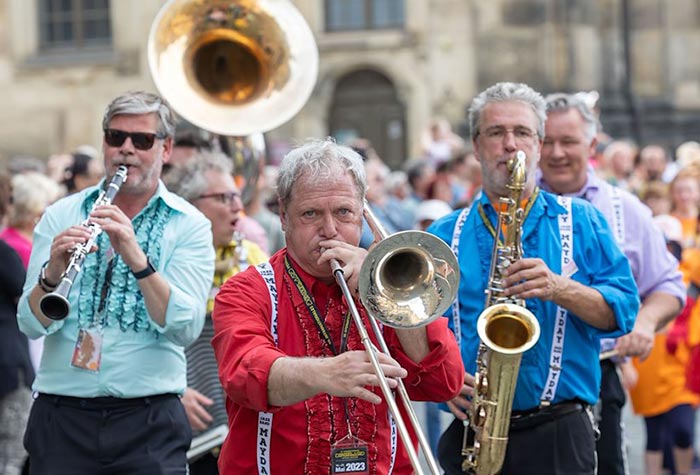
<point>55,304</point>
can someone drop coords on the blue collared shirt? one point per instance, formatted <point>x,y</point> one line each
<point>600,265</point>
<point>136,361</point>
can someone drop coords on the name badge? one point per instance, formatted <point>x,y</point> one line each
<point>88,350</point>
<point>349,455</point>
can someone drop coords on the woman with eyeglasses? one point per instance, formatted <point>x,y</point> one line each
<point>114,369</point>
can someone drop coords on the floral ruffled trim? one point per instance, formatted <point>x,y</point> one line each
<point>125,306</point>
<point>326,422</point>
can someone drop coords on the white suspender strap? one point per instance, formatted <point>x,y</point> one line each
<point>456,321</point>
<point>617,223</point>
<point>566,237</point>
<point>392,426</point>
<point>265,418</point>
<point>618,216</point>
<point>268,275</point>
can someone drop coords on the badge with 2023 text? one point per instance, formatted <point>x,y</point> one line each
<point>349,455</point>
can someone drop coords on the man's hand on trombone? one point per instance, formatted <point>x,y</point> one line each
<point>348,256</point>
<point>349,375</point>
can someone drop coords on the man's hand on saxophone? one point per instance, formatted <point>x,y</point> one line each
<point>529,278</point>
<point>462,403</point>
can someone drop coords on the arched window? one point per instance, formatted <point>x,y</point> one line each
<point>365,104</point>
<point>364,14</point>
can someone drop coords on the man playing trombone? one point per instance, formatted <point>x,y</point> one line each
<point>302,396</point>
<point>113,364</point>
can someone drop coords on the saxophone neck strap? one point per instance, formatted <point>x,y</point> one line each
<point>527,207</point>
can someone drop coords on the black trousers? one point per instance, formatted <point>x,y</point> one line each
<point>612,459</point>
<point>560,445</point>
<point>207,464</point>
<point>107,436</point>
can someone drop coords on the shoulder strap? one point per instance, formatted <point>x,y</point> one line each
<point>456,321</point>
<point>566,237</point>
<point>265,418</point>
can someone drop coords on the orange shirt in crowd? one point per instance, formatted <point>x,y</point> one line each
<point>661,383</point>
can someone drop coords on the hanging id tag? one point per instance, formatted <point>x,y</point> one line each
<point>349,455</point>
<point>88,350</point>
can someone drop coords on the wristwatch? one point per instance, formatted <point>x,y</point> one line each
<point>142,274</point>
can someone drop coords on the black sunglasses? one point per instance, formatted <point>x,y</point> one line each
<point>141,140</point>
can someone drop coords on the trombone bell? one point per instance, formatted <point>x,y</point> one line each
<point>408,279</point>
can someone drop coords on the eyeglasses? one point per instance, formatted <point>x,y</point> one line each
<point>497,133</point>
<point>225,198</point>
<point>141,140</point>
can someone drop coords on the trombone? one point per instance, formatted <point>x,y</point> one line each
<point>407,280</point>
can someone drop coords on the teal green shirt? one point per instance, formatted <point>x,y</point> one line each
<point>139,357</point>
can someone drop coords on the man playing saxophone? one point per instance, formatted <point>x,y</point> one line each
<point>571,276</point>
<point>113,369</point>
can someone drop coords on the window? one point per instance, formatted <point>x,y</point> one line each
<point>74,24</point>
<point>364,14</point>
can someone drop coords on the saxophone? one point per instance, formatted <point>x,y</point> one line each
<point>506,329</point>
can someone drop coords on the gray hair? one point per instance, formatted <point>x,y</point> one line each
<point>190,181</point>
<point>561,102</point>
<point>505,92</point>
<point>138,103</point>
<point>319,159</point>
<point>32,192</point>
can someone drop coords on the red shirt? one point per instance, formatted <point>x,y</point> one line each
<point>302,434</point>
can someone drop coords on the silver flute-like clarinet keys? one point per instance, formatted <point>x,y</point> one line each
<point>55,304</point>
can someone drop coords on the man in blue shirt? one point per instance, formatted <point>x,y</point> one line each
<point>572,277</point>
<point>113,369</point>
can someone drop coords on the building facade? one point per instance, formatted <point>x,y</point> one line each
<point>386,66</point>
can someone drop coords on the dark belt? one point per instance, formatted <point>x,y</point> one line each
<point>107,402</point>
<point>533,417</point>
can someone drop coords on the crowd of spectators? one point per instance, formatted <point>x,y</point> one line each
<point>445,176</point>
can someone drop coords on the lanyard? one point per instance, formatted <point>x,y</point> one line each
<point>528,207</point>
<point>104,292</point>
<point>315,314</point>
<point>322,329</point>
